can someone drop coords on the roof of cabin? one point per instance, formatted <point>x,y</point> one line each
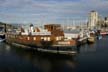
<point>72,31</point>
<point>53,24</point>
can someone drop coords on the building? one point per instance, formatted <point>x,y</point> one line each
<point>106,21</point>
<point>93,19</point>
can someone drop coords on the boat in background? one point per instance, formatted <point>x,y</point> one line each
<point>104,33</point>
<point>91,40</point>
<point>91,37</point>
<point>2,40</point>
<point>2,36</point>
<point>99,37</point>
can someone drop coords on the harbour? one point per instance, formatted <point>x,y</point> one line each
<point>53,36</point>
<point>92,57</point>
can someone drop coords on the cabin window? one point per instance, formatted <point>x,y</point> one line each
<point>42,38</point>
<point>57,38</point>
<point>28,38</point>
<point>48,38</point>
<point>45,38</point>
<point>34,38</point>
<point>69,38</point>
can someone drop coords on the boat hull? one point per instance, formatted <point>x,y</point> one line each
<point>68,50</point>
<point>91,40</point>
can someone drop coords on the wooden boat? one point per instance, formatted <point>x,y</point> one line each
<point>47,39</point>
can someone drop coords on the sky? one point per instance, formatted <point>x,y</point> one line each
<point>50,11</point>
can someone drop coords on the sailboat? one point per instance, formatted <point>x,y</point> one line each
<point>2,37</point>
<point>2,40</point>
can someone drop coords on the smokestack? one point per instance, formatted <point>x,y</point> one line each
<point>31,28</point>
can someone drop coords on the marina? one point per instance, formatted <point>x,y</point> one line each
<point>53,36</point>
<point>50,38</point>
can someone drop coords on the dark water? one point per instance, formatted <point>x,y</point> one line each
<point>91,58</point>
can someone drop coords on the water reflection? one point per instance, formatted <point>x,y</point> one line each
<point>8,47</point>
<point>88,48</point>
<point>49,62</point>
<point>4,48</point>
<point>38,61</point>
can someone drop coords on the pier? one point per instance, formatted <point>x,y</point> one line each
<point>5,28</point>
